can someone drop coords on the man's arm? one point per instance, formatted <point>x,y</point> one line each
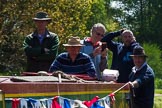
<point>143,78</point>
<point>30,51</point>
<point>109,37</point>
<point>50,53</point>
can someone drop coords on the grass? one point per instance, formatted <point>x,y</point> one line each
<point>158,91</point>
<point>158,98</point>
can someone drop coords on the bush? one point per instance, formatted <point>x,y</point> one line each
<point>158,83</point>
<point>154,60</point>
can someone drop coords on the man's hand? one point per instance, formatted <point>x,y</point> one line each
<point>131,84</point>
<point>134,84</point>
<point>97,51</point>
<point>122,30</point>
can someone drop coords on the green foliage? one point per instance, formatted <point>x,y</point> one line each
<point>158,91</point>
<point>155,61</point>
<point>141,16</point>
<point>158,101</point>
<point>110,56</point>
<point>154,58</point>
<point>69,18</point>
<point>98,13</point>
<point>158,83</point>
<point>11,54</point>
<point>158,98</point>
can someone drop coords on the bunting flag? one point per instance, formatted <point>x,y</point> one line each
<point>23,103</point>
<point>89,103</point>
<point>15,103</point>
<point>61,102</point>
<point>112,96</point>
<point>102,103</point>
<point>55,104</point>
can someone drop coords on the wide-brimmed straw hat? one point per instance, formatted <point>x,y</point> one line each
<point>42,16</point>
<point>139,51</point>
<point>73,41</point>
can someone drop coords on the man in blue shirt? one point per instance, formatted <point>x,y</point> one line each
<point>93,47</point>
<point>73,61</point>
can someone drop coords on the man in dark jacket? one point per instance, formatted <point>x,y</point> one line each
<point>41,46</point>
<point>121,51</point>
<point>142,80</point>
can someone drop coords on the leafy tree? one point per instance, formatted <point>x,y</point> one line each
<point>69,18</point>
<point>141,16</point>
<point>154,58</point>
<point>11,33</point>
<point>158,83</point>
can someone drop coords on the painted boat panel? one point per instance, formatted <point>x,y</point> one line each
<point>81,91</point>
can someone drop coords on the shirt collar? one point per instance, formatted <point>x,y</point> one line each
<point>46,34</point>
<point>135,69</point>
<point>89,39</point>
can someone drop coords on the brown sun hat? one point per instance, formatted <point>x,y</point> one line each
<point>73,41</point>
<point>42,16</point>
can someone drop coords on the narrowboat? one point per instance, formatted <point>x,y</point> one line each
<point>80,94</point>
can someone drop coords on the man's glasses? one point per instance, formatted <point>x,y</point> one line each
<point>99,34</point>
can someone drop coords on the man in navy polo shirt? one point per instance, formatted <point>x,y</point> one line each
<point>73,61</point>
